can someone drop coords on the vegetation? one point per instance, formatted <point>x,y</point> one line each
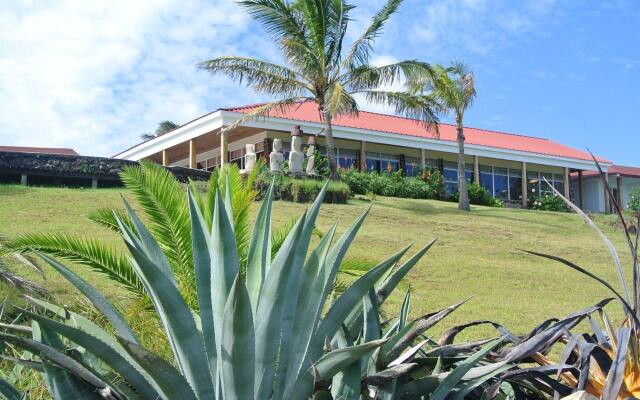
<point>302,190</point>
<point>163,128</point>
<point>548,202</point>
<point>634,200</point>
<point>478,195</point>
<point>429,185</point>
<point>454,89</point>
<point>603,362</point>
<point>321,67</point>
<point>259,334</point>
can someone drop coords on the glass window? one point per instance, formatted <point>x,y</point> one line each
<point>558,182</point>
<point>450,171</point>
<point>390,165</point>
<point>501,186</point>
<point>544,186</point>
<point>515,185</point>
<point>450,188</point>
<point>373,165</point>
<point>468,172</point>
<point>533,183</point>
<point>411,166</point>
<point>346,158</point>
<point>486,178</point>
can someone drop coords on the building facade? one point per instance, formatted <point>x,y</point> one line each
<point>511,167</point>
<point>622,182</point>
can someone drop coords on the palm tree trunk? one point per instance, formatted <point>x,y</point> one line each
<point>331,148</point>
<point>463,199</point>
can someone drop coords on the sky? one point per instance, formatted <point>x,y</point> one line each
<point>95,75</point>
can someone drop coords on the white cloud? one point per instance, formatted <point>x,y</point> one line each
<point>95,75</point>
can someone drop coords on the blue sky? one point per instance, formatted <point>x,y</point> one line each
<point>95,75</point>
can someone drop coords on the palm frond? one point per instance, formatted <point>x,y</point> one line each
<point>261,76</point>
<point>362,47</point>
<point>88,252</point>
<point>420,107</point>
<point>107,218</point>
<point>340,102</point>
<point>162,198</point>
<point>369,77</point>
<point>278,18</point>
<point>264,110</point>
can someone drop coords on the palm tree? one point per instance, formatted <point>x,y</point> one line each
<point>321,69</point>
<point>163,127</point>
<point>454,89</point>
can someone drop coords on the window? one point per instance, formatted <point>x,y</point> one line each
<point>486,178</point>
<point>346,158</point>
<point>411,166</point>
<point>380,162</point>
<point>500,183</point>
<point>533,183</point>
<point>544,186</point>
<point>558,183</point>
<point>450,172</point>
<point>515,185</point>
<point>237,157</point>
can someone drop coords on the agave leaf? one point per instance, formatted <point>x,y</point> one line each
<point>536,375</point>
<point>228,203</point>
<point>104,351</point>
<point>345,303</point>
<point>270,309</point>
<point>471,385</point>
<point>404,310</point>
<point>311,295</point>
<point>259,256</point>
<point>330,364</point>
<point>96,298</point>
<point>225,265</point>
<point>171,382</point>
<point>292,300</point>
<point>202,267</point>
<point>238,345</point>
<point>185,339</point>
<point>455,376</point>
<point>603,237</point>
<point>8,391</point>
<point>161,197</point>
<point>62,364</point>
<point>410,332</point>
<point>346,383</point>
<point>449,336</point>
<point>616,374</point>
<point>383,377</point>
<point>387,287</point>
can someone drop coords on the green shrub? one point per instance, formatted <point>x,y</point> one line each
<point>478,195</point>
<point>300,190</point>
<point>548,202</point>
<point>634,200</point>
<point>429,185</point>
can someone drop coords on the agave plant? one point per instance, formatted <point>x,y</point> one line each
<point>607,361</point>
<point>261,335</point>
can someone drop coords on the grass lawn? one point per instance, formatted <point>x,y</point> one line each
<point>477,253</point>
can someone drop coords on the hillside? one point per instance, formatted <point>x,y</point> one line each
<point>477,254</point>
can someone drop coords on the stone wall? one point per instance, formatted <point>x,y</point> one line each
<point>77,167</point>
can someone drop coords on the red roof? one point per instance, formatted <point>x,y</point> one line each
<point>308,112</point>
<point>42,150</point>
<point>633,172</point>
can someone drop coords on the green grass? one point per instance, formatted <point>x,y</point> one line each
<point>477,253</point>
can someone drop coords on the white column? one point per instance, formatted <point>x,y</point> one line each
<point>524,185</point>
<point>567,188</point>
<point>224,148</point>
<point>192,154</point>
<point>423,161</point>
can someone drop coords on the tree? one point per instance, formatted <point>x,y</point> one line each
<point>163,127</point>
<point>454,89</point>
<point>310,34</point>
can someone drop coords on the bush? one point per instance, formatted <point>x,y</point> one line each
<point>548,202</point>
<point>429,185</point>
<point>634,200</point>
<point>301,190</point>
<point>478,195</point>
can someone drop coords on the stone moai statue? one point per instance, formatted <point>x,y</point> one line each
<point>296,156</point>
<point>276,158</point>
<point>311,156</point>
<point>249,158</point>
